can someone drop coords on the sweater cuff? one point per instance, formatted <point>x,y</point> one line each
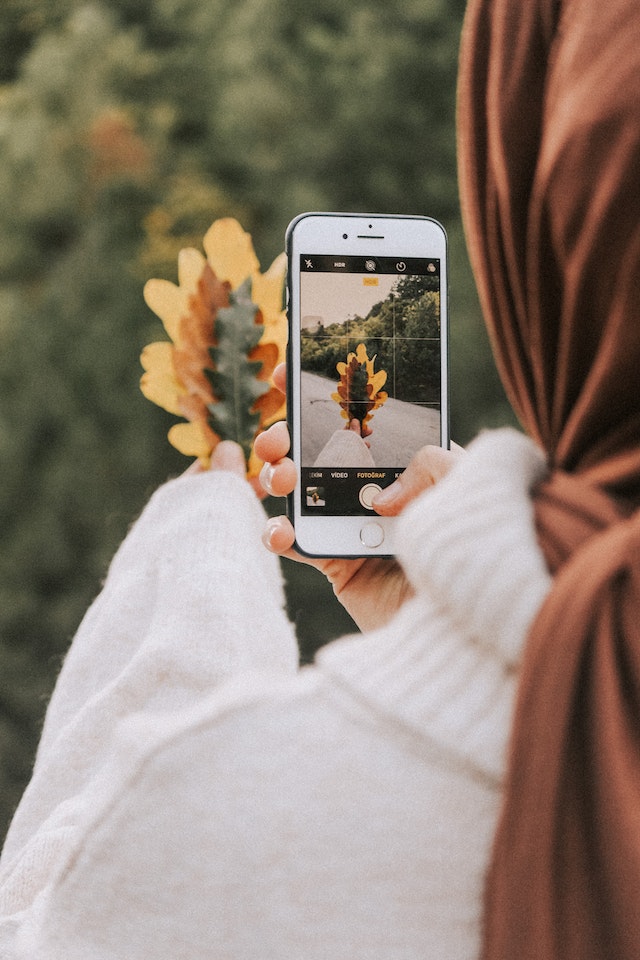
<point>191,599</point>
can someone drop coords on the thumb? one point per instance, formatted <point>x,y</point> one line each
<point>229,456</point>
<point>429,465</point>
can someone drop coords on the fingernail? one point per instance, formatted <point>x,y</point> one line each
<point>267,535</point>
<point>266,476</point>
<point>387,496</point>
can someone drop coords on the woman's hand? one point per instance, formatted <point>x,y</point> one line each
<point>371,590</point>
<point>228,456</point>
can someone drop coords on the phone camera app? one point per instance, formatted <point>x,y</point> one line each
<point>370,369</point>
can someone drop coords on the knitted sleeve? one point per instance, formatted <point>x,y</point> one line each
<point>191,598</point>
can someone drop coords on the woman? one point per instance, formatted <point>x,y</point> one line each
<point>549,146</point>
<point>550,172</point>
<point>196,796</point>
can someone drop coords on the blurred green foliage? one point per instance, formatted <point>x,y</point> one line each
<point>126,128</point>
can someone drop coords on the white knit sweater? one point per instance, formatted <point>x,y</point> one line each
<point>196,797</point>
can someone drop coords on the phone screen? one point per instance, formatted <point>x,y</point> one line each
<point>370,375</point>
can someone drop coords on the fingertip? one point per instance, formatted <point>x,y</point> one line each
<point>280,377</point>
<point>390,500</point>
<point>428,467</point>
<point>273,443</point>
<point>280,429</point>
<point>229,456</point>
<point>279,478</point>
<point>278,536</point>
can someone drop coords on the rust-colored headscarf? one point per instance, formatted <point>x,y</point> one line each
<point>549,146</point>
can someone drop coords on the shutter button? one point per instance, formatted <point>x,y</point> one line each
<point>367,494</point>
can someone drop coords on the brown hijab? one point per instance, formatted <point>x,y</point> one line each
<point>549,145</point>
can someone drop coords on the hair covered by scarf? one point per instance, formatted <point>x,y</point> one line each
<point>549,147</point>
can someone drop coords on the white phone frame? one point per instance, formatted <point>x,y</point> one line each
<point>357,235</point>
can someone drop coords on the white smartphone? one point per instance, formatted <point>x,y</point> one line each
<point>367,369</point>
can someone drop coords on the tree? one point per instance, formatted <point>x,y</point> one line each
<point>126,128</point>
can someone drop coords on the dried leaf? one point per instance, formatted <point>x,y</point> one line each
<point>359,388</point>
<point>228,332</point>
<point>230,251</point>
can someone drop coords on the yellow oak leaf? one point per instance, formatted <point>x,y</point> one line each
<point>207,316</point>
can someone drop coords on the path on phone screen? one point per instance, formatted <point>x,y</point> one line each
<point>399,429</point>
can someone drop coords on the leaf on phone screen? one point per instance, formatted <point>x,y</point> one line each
<point>359,390</point>
<point>227,332</point>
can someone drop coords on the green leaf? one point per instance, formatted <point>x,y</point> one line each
<point>234,377</point>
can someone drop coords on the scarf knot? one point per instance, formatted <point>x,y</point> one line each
<point>565,875</point>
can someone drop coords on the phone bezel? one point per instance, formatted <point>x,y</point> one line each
<point>352,234</point>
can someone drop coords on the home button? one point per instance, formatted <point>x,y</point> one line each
<point>371,535</point>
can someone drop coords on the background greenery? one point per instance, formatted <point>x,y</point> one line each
<point>126,128</point>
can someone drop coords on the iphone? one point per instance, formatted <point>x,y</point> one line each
<point>367,369</point>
